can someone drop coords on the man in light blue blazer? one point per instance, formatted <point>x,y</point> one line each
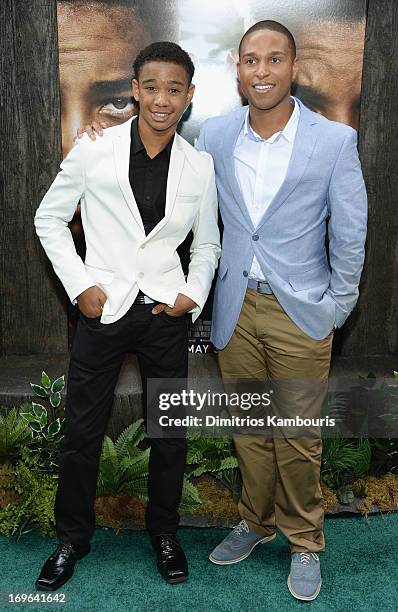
<point>287,178</point>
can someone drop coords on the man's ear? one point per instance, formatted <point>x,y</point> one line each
<point>191,91</point>
<point>295,68</point>
<point>135,89</point>
<point>238,71</point>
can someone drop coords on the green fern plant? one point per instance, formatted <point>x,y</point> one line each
<point>369,406</point>
<point>14,434</point>
<point>215,456</point>
<point>124,465</point>
<point>124,468</point>
<point>344,461</point>
<point>35,492</point>
<point>190,499</point>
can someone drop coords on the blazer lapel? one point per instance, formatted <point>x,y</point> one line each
<point>229,143</point>
<point>177,160</point>
<point>176,166</point>
<point>304,142</point>
<point>121,154</point>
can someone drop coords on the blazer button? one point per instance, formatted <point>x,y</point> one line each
<point>255,236</point>
<point>245,273</point>
<point>140,275</point>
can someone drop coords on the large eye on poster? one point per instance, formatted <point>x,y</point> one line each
<point>99,40</point>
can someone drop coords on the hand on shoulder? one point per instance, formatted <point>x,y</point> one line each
<point>92,130</point>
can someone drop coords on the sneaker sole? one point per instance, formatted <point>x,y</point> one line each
<point>303,597</point>
<point>237,559</point>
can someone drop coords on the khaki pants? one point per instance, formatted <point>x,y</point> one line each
<point>281,475</point>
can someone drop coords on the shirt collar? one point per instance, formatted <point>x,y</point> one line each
<point>137,145</point>
<point>288,132</point>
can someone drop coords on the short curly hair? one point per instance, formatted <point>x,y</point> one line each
<point>273,26</point>
<point>164,52</point>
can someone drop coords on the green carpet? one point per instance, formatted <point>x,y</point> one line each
<point>359,572</point>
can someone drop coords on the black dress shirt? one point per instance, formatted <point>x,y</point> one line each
<point>148,179</point>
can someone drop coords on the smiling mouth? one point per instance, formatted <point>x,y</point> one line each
<point>264,87</point>
<point>158,115</point>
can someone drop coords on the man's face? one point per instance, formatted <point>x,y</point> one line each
<point>97,48</point>
<point>266,69</point>
<point>331,57</point>
<point>164,92</point>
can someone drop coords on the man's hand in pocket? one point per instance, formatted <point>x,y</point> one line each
<point>91,302</point>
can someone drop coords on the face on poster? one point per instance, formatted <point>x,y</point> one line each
<point>99,39</point>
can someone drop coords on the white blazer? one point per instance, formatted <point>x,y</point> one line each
<point>120,258</point>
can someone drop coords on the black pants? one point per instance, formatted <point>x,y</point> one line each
<point>161,345</point>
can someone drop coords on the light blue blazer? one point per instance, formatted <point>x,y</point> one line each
<point>323,194</point>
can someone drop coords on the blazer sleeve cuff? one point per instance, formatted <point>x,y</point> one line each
<point>340,315</point>
<point>196,297</point>
<point>76,290</point>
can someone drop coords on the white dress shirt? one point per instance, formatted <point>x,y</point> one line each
<point>261,167</point>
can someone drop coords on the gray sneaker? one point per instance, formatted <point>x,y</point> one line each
<point>237,545</point>
<point>305,580</point>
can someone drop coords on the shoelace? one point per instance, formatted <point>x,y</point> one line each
<point>243,526</point>
<point>305,558</point>
<point>169,545</point>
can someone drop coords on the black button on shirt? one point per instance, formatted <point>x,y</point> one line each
<point>148,179</point>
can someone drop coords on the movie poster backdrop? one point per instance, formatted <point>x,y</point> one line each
<point>99,39</point>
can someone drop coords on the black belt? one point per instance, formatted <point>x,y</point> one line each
<point>143,299</point>
<point>260,286</point>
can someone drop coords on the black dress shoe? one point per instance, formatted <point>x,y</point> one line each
<point>172,562</point>
<point>60,566</point>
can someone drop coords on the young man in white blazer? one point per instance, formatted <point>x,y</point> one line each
<point>142,189</point>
